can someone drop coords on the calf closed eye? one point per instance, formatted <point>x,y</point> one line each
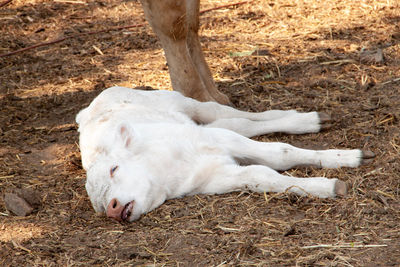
<point>112,170</point>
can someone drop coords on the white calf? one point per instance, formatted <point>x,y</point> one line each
<point>140,148</point>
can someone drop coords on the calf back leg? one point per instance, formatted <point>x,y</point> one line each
<point>281,156</point>
<point>252,124</point>
<point>263,179</point>
<point>299,123</point>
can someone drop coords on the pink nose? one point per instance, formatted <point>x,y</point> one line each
<point>114,209</point>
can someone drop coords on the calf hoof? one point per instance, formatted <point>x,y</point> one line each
<point>324,120</point>
<point>367,156</point>
<point>340,189</point>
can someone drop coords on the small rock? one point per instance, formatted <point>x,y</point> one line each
<point>17,205</point>
<point>31,196</point>
<point>371,56</point>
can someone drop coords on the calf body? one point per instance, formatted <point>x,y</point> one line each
<point>140,148</point>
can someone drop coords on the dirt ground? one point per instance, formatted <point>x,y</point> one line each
<point>337,56</point>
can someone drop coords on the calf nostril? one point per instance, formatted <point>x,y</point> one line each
<point>114,203</point>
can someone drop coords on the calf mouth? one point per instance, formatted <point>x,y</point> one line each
<point>127,211</point>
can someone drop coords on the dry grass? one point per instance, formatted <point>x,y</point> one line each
<point>281,54</point>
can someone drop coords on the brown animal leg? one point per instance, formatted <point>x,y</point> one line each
<point>196,53</point>
<point>175,22</point>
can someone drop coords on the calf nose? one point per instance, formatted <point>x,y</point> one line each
<point>114,209</point>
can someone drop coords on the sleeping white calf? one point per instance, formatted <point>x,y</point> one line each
<point>140,148</point>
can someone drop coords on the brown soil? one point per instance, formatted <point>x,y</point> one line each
<point>303,55</point>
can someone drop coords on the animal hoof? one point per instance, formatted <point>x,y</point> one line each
<point>223,99</point>
<point>324,120</point>
<point>367,156</point>
<point>340,189</point>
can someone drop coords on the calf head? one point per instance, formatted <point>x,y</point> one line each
<point>115,184</point>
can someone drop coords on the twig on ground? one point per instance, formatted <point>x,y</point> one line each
<point>338,62</point>
<point>69,37</point>
<point>390,81</point>
<point>220,7</point>
<point>71,2</point>
<point>5,3</point>
<point>346,245</point>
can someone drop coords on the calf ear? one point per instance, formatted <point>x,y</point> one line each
<point>126,134</point>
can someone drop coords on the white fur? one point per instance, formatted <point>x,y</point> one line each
<point>166,146</point>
